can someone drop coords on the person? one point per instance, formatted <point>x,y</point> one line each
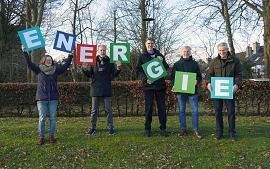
<point>151,89</point>
<point>101,87</point>
<point>47,94</point>
<point>188,64</point>
<point>225,65</point>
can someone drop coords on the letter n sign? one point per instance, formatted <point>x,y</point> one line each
<point>31,38</point>
<point>86,54</point>
<point>184,82</point>
<point>120,52</point>
<point>64,42</point>
<point>154,69</point>
<point>222,87</point>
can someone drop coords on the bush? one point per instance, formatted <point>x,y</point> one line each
<point>18,99</point>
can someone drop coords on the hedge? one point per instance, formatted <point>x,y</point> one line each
<point>18,99</point>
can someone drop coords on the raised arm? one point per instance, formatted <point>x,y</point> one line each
<point>30,64</point>
<point>64,67</point>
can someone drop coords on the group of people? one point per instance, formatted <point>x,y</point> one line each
<point>101,75</point>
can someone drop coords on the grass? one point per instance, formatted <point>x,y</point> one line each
<point>130,149</point>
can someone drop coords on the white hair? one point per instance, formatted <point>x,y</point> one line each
<point>223,44</point>
<point>186,47</point>
<point>102,46</point>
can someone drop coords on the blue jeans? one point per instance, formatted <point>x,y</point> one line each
<point>95,111</point>
<point>45,107</point>
<point>193,101</point>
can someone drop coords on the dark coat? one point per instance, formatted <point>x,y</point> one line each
<point>47,88</point>
<point>187,65</point>
<point>145,57</point>
<point>230,67</point>
<point>101,76</point>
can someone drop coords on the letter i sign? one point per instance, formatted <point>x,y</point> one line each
<point>184,82</point>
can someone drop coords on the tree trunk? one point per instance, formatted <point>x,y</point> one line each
<point>226,17</point>
<point>74,65</point>
<point>143,32</point>
<point>266,37</point>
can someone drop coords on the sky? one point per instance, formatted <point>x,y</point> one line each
<point>192,37</point>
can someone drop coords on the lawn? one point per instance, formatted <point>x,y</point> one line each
<point>130,149</point>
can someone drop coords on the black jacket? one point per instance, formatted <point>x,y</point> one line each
<point>187,65</point>
<point>230,67</point>
<point>101,76</point>
<point>47,88</point>
<point>145,57</point>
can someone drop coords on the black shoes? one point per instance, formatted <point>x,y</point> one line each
<point>233,136</point>
<point>91,131</point>
<point>111,132</point>
<point>183,132</point>
<point>147,133</point>
<point>164,133</point>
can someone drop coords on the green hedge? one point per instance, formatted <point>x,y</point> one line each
<point>18,99</point>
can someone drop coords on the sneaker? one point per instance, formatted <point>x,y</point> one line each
<point>196,134</point>
<point>111,132</point>
<point>41,141</point>
<point>183,132</point>
<point>91,131</point>
<point>52,140</point>
<point>164,133</point>
<point>147,133</point>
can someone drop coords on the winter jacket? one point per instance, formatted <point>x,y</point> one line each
<point>145,57</point>
<point>230,67</point>
<point>47,88</point>
<point>101,76</point>
<point>187,65</point>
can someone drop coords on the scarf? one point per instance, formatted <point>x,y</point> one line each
<point>48,70</point>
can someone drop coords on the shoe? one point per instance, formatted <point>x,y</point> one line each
<point>164,133</point>
<point>219,136</point>
<point>91,131</point>
<point>147,133</point>
<point>52,140</point>
<point>196,134</point>
<point>233,136</point>
<point>111,132</point>
<point>183,132</point>
<point>41,141</point>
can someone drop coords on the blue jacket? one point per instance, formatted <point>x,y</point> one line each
<point>47,88</point>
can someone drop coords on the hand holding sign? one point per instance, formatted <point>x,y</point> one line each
<point>154,70</point>
<point>185,82</point>
<point>222,87</point>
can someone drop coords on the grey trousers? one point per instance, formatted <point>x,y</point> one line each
<point>95,111</point>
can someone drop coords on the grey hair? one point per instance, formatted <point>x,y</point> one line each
<point>186,47</point>
<point>102,46</point>
<point>223,44</point>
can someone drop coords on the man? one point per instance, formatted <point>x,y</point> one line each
<point>225,65</point>
<point>101,88</point>
<point>188,64</point>
<point>151,89</point>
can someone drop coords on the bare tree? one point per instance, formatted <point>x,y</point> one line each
<point>263,9</point>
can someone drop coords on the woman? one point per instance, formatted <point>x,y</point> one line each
<point>47,91</point>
